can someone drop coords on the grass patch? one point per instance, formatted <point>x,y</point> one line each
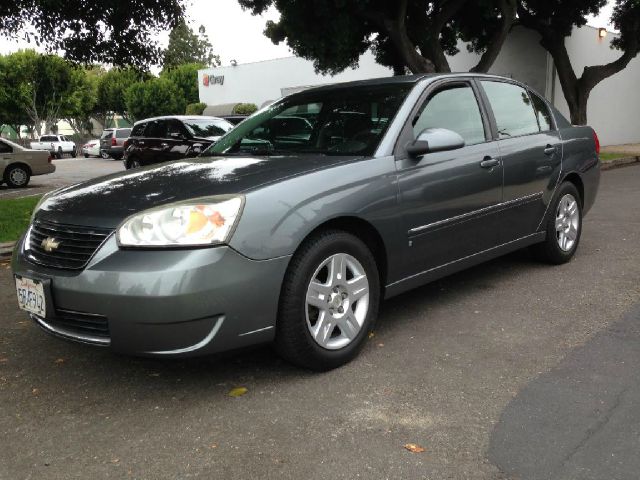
<point>15,214</point>
<point>607,157</point>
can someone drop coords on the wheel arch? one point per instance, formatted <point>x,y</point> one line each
<point>576,180</point>
<point>364,231</point>
<point>19,164</point>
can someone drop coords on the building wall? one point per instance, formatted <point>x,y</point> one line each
<point>614,103</point>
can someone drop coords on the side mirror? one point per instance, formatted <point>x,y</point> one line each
<point>433,140</point>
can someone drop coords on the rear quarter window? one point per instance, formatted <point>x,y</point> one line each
<point>138,130</point>
<point>124,133</point>
<point>542,111</point>
<point>512,109</point>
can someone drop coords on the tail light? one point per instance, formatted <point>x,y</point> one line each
<point>597,140</point>
<point>114,142</point>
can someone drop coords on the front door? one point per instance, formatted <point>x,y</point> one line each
<point>531,152</point>
<point>449,198</point>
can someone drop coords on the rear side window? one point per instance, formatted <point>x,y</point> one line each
<point>107,134</point>
<point>4,148</point>
<point>48,138</point>
<point>123,133</point>
<point>543,113</point>
<point>156,129</point>
<point>512,109</point>
<point>456,109</point>
<point>138,130</point>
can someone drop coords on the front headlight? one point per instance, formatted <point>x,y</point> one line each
<point>198,222</point>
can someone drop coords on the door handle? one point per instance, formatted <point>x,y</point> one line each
<point>489,162</point>
<point>164,145</point>
<point>549,150</point>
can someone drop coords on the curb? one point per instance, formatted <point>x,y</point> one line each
<point>6,249</point>
<point>620,162</point>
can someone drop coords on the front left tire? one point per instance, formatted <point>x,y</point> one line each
<point>329,301</point>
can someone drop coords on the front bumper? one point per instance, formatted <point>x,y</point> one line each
<point>165,302</point>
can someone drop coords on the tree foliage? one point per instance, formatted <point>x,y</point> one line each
<point>245,108</point>
<point>407,34</point>
<point>187,47</point>
<point>111,90</point>
<point>152,98</point>
<point>114,32</point>
<point>185,77</point>
<point>37,87</point>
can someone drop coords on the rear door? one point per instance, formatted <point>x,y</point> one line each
<point>531,152</point>
<point>177,142</point>
<point>154,146</point>
<point>449,198</point>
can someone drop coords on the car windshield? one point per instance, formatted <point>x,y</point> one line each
<point>347,121</point>
<point>207,128</point>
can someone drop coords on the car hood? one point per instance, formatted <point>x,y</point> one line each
<point>107,201</point>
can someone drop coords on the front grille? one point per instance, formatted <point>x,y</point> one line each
<point>86,324</point>
<point>75,244</point>
<point>79,326</point>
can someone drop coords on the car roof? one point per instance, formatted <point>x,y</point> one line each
<point>179,117</point>
<point>399,80</point>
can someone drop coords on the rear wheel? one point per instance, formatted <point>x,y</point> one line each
<point>17,176</point>
<point>74,153</point>
<point>564,226</point>
<point>104,154</point>
<point>329,301</point>
<point>133,163</point>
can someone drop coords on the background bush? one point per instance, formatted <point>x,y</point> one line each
<point>195,108</point>
<point>245,108</point>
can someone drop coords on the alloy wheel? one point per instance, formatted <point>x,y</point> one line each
<point>337,301</point>
<point>18,177</point>
<point>567,222</point>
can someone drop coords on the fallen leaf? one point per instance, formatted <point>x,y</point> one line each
<point>381,344</point>
<point>4,360</point>
<point>59,360</point>
<point>154,374</point>
<point>372,334</point>
<point>212,446</point>
<point>414,448</point>
<point>35,391</point>
<point>238,391</point>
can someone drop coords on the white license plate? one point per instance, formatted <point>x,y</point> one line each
<point>31,296</point>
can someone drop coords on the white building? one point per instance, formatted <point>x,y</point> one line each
<point>613,105</point>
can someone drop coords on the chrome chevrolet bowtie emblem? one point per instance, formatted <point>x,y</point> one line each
<point>49,244</point>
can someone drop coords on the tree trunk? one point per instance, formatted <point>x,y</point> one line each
<point>508,9</point>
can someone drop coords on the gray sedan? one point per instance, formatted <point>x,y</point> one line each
<point>294,236</point>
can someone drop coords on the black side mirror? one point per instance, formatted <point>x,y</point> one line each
<point>432,140</point>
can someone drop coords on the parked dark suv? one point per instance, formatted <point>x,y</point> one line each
<point>160,139</point>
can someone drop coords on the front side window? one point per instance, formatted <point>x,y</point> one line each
<point>344,121</point>
<point>454,108</point>
<point>512,109</point>
<point>543,113</point>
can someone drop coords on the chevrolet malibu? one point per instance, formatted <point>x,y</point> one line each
<point>294,236</point>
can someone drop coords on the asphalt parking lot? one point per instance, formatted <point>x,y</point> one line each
<point>510,370</point>
<point>68,171</point>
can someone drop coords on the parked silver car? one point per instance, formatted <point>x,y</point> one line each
<point>19,164</point>
<point>112,142</point>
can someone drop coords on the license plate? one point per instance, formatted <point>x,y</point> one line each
<point>31,296</point>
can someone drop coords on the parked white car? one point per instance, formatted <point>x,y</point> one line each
<point>19,164</point>
<point>57,145</point>
<point>91,148</point>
